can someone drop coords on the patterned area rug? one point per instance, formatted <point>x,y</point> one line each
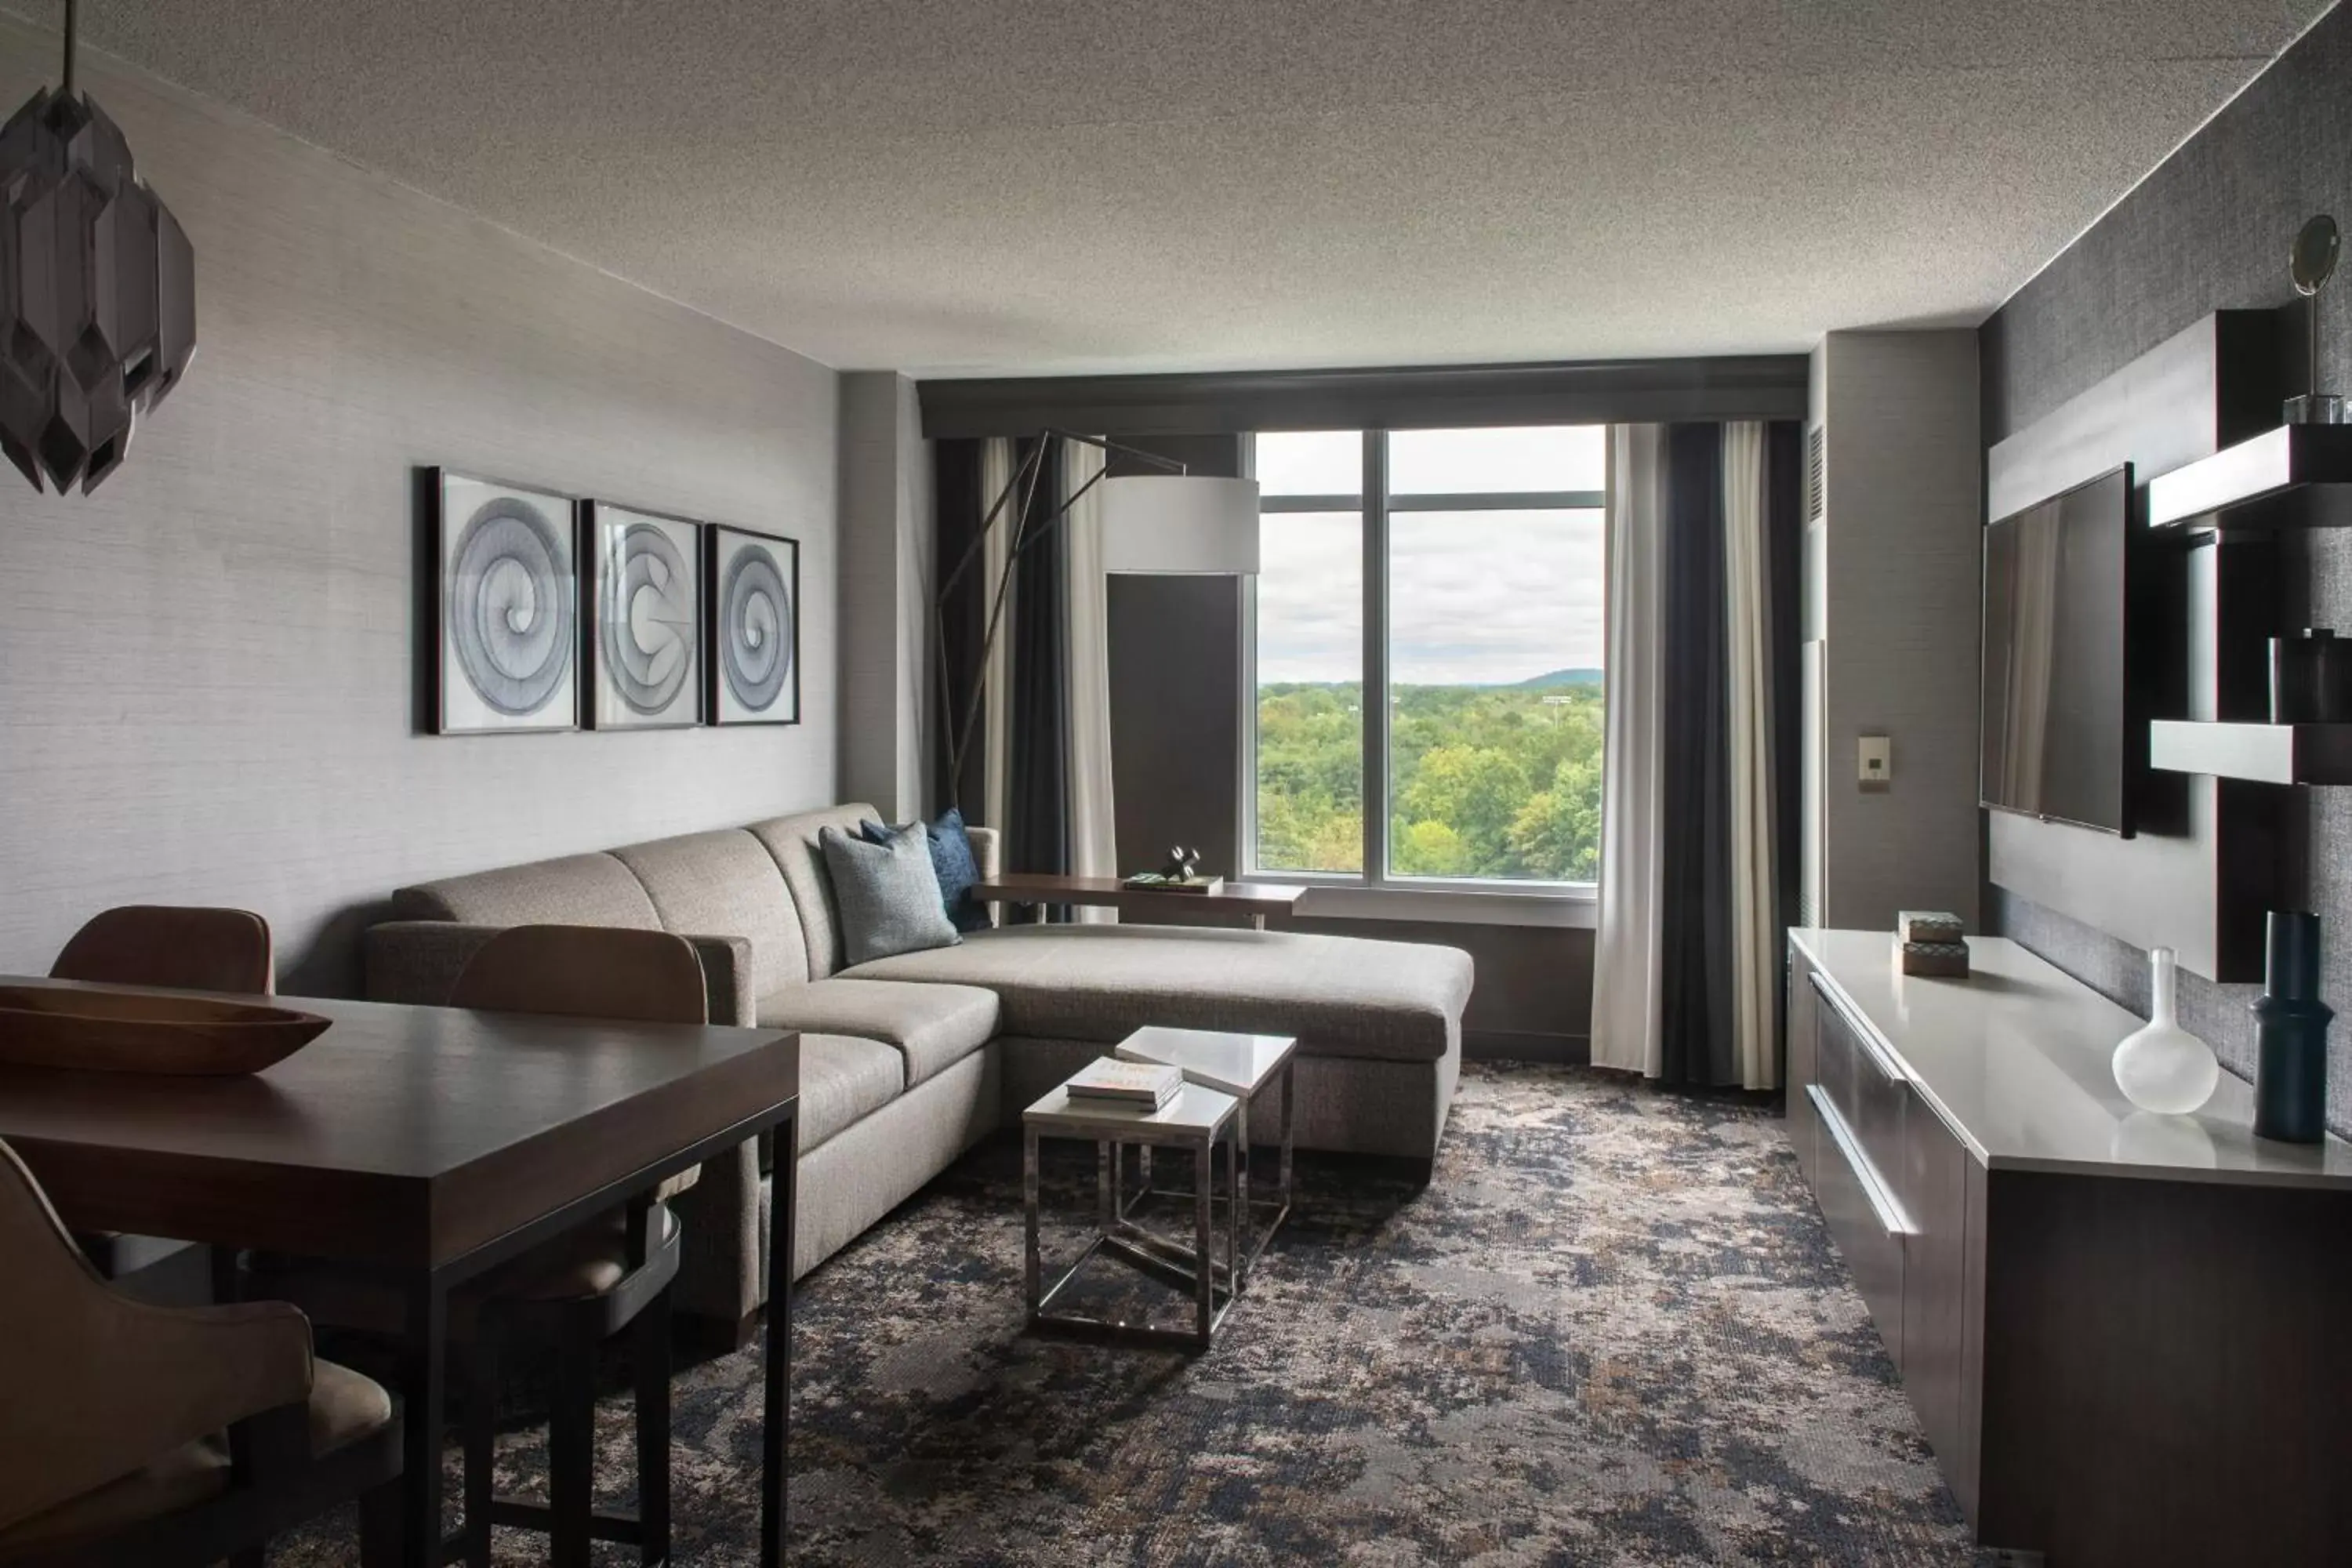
<point>1611,1330</point>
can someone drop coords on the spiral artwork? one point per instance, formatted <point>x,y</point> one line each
<point>755,632</point>
<point>509,606</point>
<point>646,612</point>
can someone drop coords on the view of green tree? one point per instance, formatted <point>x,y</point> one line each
<point>1488,781</point>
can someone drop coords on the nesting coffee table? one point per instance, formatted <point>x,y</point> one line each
<point>1222,1071</point>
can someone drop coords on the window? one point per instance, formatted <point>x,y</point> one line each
<point>1482,765</point>
<point>1310,653</point>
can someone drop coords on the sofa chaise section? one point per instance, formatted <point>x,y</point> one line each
<point>1378,1024</point>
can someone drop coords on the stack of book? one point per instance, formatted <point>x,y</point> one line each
<point>1162,882</point>
<point>1142,1086</point>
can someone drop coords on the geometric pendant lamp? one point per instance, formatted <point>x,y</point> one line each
<point>97,289</point>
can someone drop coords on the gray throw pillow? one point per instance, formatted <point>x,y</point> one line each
<point>887,894</point>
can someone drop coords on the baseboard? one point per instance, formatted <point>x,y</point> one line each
<point>1525,1046</point>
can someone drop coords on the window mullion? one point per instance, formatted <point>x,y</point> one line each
<point>1376,658</point>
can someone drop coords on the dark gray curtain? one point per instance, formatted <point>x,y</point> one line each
<point>1033,630</point>
<point>1696,930</point>
<point>1694,891</point>
<point>962,619</point>
<point>1038,825</point>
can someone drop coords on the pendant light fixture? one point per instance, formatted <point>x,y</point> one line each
<point>97,289</point>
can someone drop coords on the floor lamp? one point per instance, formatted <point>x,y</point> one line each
<point>1169,521</point>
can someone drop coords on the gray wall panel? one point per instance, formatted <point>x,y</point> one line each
<point>207,669</point>
<point>2208,230</point>
<point>1902,560</point>
<point>887,723</point>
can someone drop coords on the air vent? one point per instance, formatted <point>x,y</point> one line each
<point>1813,477</point>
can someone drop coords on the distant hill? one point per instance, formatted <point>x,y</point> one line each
<point>1561,678</point>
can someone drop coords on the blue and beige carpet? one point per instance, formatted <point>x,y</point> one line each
<point>1611,1330</point>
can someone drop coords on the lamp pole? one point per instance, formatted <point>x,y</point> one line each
<point>1027,530</point>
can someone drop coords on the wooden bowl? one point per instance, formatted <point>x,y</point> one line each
<point>96,1029</point>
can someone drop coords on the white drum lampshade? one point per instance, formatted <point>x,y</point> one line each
<point>1180,523</point>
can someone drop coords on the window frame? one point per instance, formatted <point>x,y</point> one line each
<point>1430,895</point>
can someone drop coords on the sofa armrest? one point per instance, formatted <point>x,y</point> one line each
<point>726,978</point>
<point>988,856</point>
<point>719,1273</point>
<point>987,851</point>
<point>418,961</point>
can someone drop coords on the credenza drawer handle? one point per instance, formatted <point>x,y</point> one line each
<point>1883,1201</point>
<point>1888,1066</point>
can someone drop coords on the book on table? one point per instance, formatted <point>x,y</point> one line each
<point>1149,1086</point>
<point>1160,882</point>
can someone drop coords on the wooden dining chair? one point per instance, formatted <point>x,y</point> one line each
<point>186,949</point>
<point>189,949</point>
<point>158,1436</point>
<point>569,1295</point>
<point>581,1290</point>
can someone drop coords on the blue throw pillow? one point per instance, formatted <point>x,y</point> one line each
<point>951,859</point>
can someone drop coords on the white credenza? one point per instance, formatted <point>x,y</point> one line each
<point>2128,1337</point>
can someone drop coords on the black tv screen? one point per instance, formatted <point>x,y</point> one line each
<point>2056,701</point>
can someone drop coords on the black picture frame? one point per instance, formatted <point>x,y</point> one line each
<point>459,708</point>
<point>724,692</point>
<point>593,512</point>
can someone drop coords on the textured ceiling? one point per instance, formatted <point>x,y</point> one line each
<point>1010,186</point>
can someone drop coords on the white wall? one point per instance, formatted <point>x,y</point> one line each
<point>886,545</point>
<point>207,669</point>
<point>1900,578</point>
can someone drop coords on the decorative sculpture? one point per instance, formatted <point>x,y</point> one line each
<point>97,289</point>
<point>2163,1068</point>
<point>2312,262</point>
<point>2291,1035</point>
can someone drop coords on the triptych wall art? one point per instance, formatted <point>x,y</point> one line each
<point>557,613</point>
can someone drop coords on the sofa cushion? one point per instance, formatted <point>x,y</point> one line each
<point>932,1026</point>
<point>575,890</point>
<point>843,1081</point>
<point>1342,996</point>
<point>725,884</point>
<point>951,860</point>
<point>887,894</point>
<point>792,840</point>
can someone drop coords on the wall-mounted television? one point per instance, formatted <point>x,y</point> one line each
<point>2058,716</point>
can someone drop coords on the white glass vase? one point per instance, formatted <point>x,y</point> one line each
<point>2164,1068</point>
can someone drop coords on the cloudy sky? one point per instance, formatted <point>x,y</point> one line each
<point>1486,597</point>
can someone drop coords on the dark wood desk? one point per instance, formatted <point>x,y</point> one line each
<point>432,1143</point>
<point>1254,900</point>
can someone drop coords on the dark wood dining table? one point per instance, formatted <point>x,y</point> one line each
<point>429,1143</point>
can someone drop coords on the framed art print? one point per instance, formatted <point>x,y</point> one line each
<point>644,618</point>
<point>753,604</point>
<point>509,648</point>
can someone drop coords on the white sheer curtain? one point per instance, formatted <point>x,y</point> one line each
<point>1626,953</point>
<point>996,721</point>
<point>1755,882</point>
<point>1094,837</point>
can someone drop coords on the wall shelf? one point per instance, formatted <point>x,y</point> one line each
<point>2263,753</point>
<point>2271,463</point>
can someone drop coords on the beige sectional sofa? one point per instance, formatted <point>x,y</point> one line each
<point>908,1062</point>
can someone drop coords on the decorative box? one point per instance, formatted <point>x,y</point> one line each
<point>1927,925</point>
<point>1944,960</point>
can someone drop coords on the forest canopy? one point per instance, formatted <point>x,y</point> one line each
<point>1486,781</point>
